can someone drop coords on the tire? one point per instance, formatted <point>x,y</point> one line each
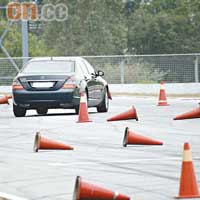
<point>42,111</point>
<point>19,111</point>
<point>77,110</point>
<point>103,107</point>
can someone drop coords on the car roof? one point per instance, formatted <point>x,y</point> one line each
<point>56,59</point>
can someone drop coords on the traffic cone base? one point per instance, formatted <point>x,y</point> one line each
<point>44,143</point>
<point>83,110</point>
<point>163,103</point>
<point>76,195</point>
<point>37,142</point>
<point>84,121</point>
<point>130,114</point>
<point>87,191</point>
<point>189,115</point>
<point>188,183</point>
<point>135,139</point>
<point>125,141</point>
<point>188,197</point>
<point>162,96</point>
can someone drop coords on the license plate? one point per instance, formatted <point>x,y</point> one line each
<point>42,84</point>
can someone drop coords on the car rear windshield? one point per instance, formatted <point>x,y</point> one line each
<point>52,67</point>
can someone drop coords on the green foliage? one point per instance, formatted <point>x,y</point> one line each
<point>143,72</point>
<point>93,28</point>
<point>102,27</point>
<point>37,47</point>
<point>166,26</point>
<point>13,40</point>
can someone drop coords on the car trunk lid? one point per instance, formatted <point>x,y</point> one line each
<point>43,82</point>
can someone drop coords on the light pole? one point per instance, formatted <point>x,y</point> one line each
<point>25,44</point>
<point>24,33</point>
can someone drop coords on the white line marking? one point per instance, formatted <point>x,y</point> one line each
<point>4,196</point>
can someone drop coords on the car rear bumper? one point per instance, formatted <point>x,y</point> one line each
<point>64,98</point>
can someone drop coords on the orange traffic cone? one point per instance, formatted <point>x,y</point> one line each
<point>133,138</point>
<point>44,143</point>
<point>188,183</point>
<point>83,110</point>
<point>162,97</point>
<point>189,115</point>
<point>88,191</point>
<point>130,114</point>
<point>4,100</point>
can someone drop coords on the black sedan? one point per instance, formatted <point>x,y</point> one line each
<point>56,82</point>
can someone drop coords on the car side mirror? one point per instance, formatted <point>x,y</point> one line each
<point>100,73</point>
<point>94,75</point>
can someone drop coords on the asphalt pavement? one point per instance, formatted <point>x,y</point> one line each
<point>141,172</point>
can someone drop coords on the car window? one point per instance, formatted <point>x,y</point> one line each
<point>84,69</point>
<point>89,67</point>
<point>79,71</point>
<point>38,67</point>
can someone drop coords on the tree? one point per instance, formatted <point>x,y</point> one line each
<point>166,27</point>
<point>12,42</point>
<point>93,28</point>
<point>102,27</point>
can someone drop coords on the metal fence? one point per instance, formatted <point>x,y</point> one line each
<point>180,68</point>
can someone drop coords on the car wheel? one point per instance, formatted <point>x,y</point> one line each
<point>77,110</point>
<point>42,111</point>
<point>19,111</point>
<point>103,107</point>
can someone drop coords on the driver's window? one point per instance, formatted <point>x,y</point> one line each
<point>89,67</point>
<point>84,69</point>
<point>79,71</point>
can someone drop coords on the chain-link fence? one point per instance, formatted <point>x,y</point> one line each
<point>129,69</point>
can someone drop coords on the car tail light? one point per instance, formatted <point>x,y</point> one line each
<point>17,85</point>
<point>70,83</point>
